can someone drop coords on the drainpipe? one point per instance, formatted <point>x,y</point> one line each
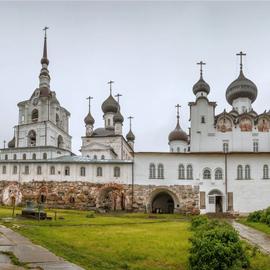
<point>132,186</point>
<point>226,180</point>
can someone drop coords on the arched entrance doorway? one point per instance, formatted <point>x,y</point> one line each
<point>112,198</point>
<point>163,203</point>
<point>215,197</point>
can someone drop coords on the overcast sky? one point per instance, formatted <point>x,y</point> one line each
<point>149,49</point>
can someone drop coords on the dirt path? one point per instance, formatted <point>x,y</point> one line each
<point>253,236</point>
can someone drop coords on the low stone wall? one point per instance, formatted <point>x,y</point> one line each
<point>105,197</point>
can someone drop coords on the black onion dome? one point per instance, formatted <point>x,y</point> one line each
<point>11,144</point>
<point>130,136</point>
<point>178,134</point>
<point>118,117</point>
<point>89,119</point>
<point>241,87</point>
<point>201,86</point>
<point>110,105</point>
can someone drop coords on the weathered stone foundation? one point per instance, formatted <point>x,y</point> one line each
<point>103,197</point>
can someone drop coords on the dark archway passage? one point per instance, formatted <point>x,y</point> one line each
<point>163,203</point>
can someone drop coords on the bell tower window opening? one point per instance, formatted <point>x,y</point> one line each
<point>203,120</point>
<point>60,142</point>
<point>35,115</point>
<point>57,120</point>
<point>32,138</point>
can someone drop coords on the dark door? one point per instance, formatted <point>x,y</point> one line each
<point>219,204</point>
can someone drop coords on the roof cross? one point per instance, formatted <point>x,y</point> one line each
<point>4,144</point>
<point>45,30</point>
<point>130,119</point>
<point>118,96</point>
<point>89,100</point>
<point>110,83</point>
<point>241,54</point>
<point>201,64</point>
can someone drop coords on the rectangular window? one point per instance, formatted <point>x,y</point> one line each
<point>26,170</point>
<point>230,201</point>
<point>212,199</point>
<point>255,146</point>
<point>4,169</point>
<point>202,200</point>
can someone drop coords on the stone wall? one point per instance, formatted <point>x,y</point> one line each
<point>104,197</point>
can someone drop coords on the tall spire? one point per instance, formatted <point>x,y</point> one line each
<point>130,136</point>
<point>177,115</point>
<point>44,76</point>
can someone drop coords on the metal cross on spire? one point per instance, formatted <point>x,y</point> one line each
<point>201,64</point>
<point>118,97</point>
<point>241,54</point>
<point>110,83</point>
<point>4,144</point>
<point>45,30</point>
<point>130,119</point>
<point>89,100</point>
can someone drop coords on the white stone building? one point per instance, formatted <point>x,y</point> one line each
<point>221,165</point>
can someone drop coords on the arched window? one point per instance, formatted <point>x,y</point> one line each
<point>39,170</point>
<point>34,156</point>
<point>102,157</point>
<point>32,138</point>
<point>206,174</point>
<point>152,171</point>
<point>82,171</point>
<point>60,142</point>
<point>255,146</point>
<point>14,156</point>
<point>6,157</point>
<point>189,172</point>
<point>24,157</point>
<point>240,172</point>
<point>99,171</point>
<point>116,171</point>
<point>35,115</point>
<point>52,170</point>
<point>43,198</point>
<point>181,172</point>
<point>44,155</point>
<point>95,156</point>
<point>26,170</point>
<point>72,199</point>
<point>14,169</point>
<point>160,171</point>
<point>247,172</point>
<point>218,174</point>
<point>57,120</point>
<point>4,169</point>
<point>265,172</point>
<point>67,171</point>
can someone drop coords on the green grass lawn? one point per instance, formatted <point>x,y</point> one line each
<point>118,241</point>
<point>123,241</point>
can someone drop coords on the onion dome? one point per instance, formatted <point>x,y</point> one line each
<point>178,134</point>
<point>11,144</point>
<point>130,136</point>
<point>110,105</point>
<point>118,117</point>
<point>89,120</point>
<point>241,87</point>
<point>201,86</point>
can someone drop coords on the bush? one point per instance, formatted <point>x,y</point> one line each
<point>198,221</point>
<point>255,216</point>
<point>216,246</point>
<point>91,214</point>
